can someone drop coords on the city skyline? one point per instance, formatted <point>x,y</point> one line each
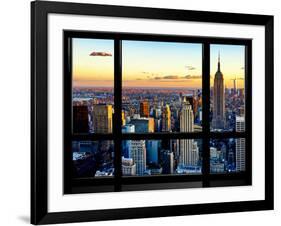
<point>161,103</point>
<point>169,65</point>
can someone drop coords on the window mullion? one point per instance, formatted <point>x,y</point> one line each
<point>117,112</point>
<point>248,108</point>
<point>206,112</point>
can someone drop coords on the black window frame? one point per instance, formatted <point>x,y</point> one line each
<point>120,183</point>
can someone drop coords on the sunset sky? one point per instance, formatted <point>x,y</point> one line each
<point>152,64</point>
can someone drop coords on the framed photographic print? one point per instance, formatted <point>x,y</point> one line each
<point>144,112</point>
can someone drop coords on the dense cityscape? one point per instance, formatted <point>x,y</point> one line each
<point>161,110</point>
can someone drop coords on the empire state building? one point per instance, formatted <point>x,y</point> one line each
<point>219,102</point>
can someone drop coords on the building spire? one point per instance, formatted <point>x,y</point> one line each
<point>219,63</point>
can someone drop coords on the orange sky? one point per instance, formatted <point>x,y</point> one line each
<point>153,64</point>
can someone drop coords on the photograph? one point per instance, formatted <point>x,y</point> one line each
<point>161,93</point>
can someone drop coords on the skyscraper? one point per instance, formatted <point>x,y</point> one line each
<point>143,125</point>
<point>166,119</point>
<point>194,155</point>
<point>219,102</point>
<point>129,128</point>
<point>193,101</point>
<point>186,117</point>
<point>186,125</point>
<point>240,144</point>
<point>168,161</point>
<point>102,118</point>
<point>144,109</point>
<point>152,151</point>
<point>138,154</point>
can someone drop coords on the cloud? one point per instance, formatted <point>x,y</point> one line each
<point>171,77</point>
<point>193,77</point>
<point>190,68</point>
<point>103,54</point>
<point>176,77</point>
<point>167,77</point>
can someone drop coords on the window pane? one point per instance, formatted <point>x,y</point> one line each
<point>227,155</point>
<point>158,157</point>
<point>227,87</point>
<point>93,158</point>
<point>162,86</point>
<point>93,82</point>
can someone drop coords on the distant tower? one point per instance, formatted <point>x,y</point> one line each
<point>240,144</point>
<point>144,109</point>
<point>186,125</point>
<point>166,119</point>
<point>235,85</point>
<point>102,118</point>
<point>219,103</point>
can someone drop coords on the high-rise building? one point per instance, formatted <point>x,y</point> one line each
<point>157,112</point>
<point>194,154</point>
<point>219,100</point>
<point>138,154</point>
<point>102,118</point>
<point>144,109</point>
<point>152,151</point>
<point>214,155</point>
<point>157,125</point>
<point>143,125</point>
<point>86,146</point>
<point>186,117</point>
<point>217,167</point>
<point>128,167</point>
<point>129,128</point>
<point>193,101</point>
<point>240,145</point>
<point>167,161</point>
<point>80,119</point>
<point>186,145</point>
<point>166,119</point>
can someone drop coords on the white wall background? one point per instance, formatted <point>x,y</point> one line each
<point>15,112</point>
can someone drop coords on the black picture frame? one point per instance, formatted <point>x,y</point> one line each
<point>39,112</point>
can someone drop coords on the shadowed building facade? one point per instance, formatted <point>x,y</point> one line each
<point>144,109</point>
<point>102,118</point>
<point>80,119</point>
